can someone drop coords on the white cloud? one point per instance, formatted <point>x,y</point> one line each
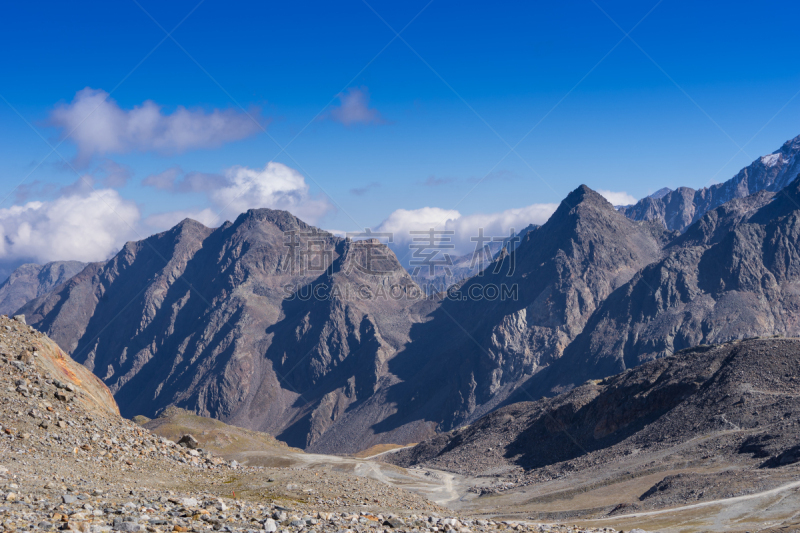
<point>402,221</point>
<point>499,224</point>
<point>617,198</point>
<point>354,108</point>
<point>98,125</point>
<point>84,224</point>
<point>275,186</point>
<point>82,227</point>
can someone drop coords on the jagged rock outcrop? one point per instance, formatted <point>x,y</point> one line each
<point>679,209</point>
<point>31,281</point>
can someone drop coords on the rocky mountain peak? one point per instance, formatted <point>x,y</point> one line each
<point>188,224</point>
<point>283,220</point>
<point>584,195</point>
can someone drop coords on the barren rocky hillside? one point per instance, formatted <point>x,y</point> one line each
<point>68,461</point>
<point>202,319</point>
<point>472,352</point>
<point>707,423</point>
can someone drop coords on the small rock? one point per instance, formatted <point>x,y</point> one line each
<point>188,441</point>
<point>69,499</point>
<point>20,318</point>
<point>270,526</point>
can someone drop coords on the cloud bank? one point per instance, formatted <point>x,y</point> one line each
<point>617,198</point>
<point>402,221</point>
<point>86,224</point>
<point>275,186</point>
<point>98,125</point>
<point>240,188</point>
<point>83,227</point>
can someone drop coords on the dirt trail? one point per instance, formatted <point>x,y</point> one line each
<point>388,452</point>
<point>724,501</point>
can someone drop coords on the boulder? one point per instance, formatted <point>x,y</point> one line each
<point>188,441</point>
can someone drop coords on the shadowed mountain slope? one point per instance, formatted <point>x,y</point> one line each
<point>221,322</point>
<point>225,323</point>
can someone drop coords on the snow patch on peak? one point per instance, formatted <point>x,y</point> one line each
<point>771,160</point>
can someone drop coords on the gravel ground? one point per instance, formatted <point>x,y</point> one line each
<point>68,461</point>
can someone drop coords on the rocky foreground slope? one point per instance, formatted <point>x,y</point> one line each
<point>68,461</point>
<point>708,423</point>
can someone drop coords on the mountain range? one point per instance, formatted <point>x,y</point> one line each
<point>340,350</point>
<point>679,209</point>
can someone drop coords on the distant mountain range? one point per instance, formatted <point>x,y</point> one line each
<point>30,281</point>
<point>467,265</point>
<point>680,208</point>
<point>241,324</point>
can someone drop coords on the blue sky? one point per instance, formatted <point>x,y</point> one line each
<point>378,127</point>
